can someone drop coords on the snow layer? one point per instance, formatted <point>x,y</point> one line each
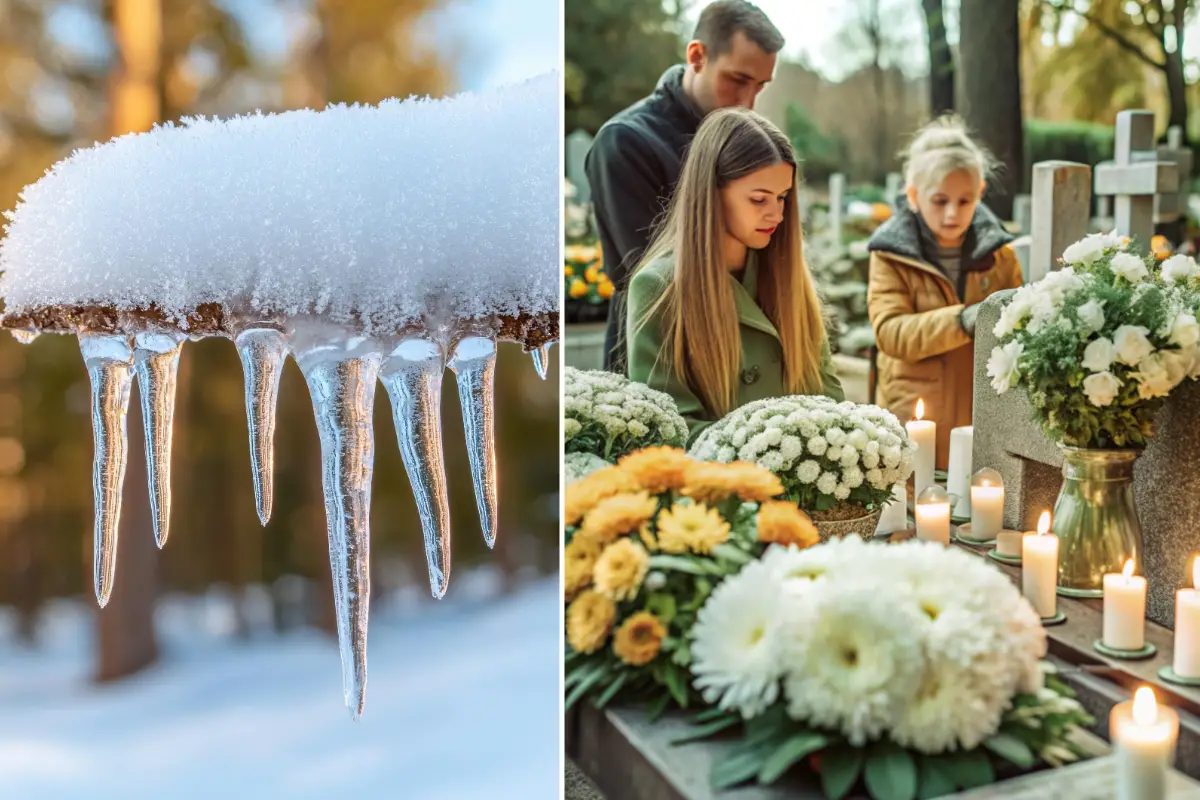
<point>387,211</point>
<point>464,704</point>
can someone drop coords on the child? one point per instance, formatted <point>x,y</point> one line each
<point>932,264</point>
<point>722,309</point>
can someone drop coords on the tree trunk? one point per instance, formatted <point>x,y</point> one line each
<point>941,61</point>
<point>1177,90</point>
<point>990,50</point>
<point>125,627</point>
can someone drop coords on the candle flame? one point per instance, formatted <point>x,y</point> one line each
<point>1044,523</point>
<point>1128,571</point>
<point>1145,706</point>
<point>920,414</point>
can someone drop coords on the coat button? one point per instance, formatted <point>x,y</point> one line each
<point>983,284</point>
<point>750,376</point>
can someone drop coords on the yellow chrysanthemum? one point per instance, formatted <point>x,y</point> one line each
<point>781,522</point>
<point>590,617</point>
<point>568,271</point>
<point>605,289</point>
<point>578,288</point>
<point>620,570</point>
<point>710,482</point>
<point>579,559</point>
<point>618,515</point>
<point>592,274</point>
<point>639,639</point>
<point>755,484</point>
<point>1160,247</point>
<point>647,537</point>
<point>658,469</point>
<point>583,495</point>
<point>694,527</point>
<point>881,212</point>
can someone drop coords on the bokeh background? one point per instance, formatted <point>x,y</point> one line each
<point>214,669</point>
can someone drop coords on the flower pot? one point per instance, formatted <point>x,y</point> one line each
<point>1095,519</point>
<point>859,526</point>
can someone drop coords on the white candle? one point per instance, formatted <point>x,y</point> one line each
<point>1187,628</point>
<point>1125,609</point>
<point>1143,734</point>
<point>1039,568</point>
<point>895,514</point>
<point>1008,543</point>
<point>923,434</point>
<point>987,512</point>
<point>933,517</point>
<point>958,471</point>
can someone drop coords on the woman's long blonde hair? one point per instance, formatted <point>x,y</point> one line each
<point>732,143</point>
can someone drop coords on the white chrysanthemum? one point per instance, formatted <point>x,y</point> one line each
<point>849,458</point>
<point>834,453</point>
<point>808,471</point>
<point>817,445</point>
<point>791,447</point>
<point>735,642</point>
<point>947,712</point>
<point>853,657</point>
<point>841,491</point>
<point>827,483</point>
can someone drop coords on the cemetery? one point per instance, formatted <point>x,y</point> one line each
<point>1081,502</point>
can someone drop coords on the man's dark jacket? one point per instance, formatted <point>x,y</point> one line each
<point>632,168</point>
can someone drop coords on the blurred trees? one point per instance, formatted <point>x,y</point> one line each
<point>941,60</point>
<point>72,73</point>
<point>616,50</point>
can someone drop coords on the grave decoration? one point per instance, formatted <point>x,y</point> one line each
<point>588,288</point>
<point>607,415</point>
<point>908,669</point>
<point>1097,346</point>
<point>646,541</point>
<point>370,243</point>
<point>837,461</point>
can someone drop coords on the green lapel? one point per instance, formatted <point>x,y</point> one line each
<point>744,293</point>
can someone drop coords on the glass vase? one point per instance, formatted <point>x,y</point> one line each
<point>1095,519</point>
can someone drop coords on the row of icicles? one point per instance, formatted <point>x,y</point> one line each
<point>341,374</point>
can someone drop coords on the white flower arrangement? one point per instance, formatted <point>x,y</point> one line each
<point>1097,344</point>
<point>917,643</point>
<point>826,453</point>
<point>577,466</point>
<point>609,415</point>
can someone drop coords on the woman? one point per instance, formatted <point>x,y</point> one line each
<point>722,310</point>
<point>932,264</point>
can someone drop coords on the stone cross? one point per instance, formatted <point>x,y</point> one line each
<point>1058,214</point>
<point>893,188</point>
<point>837,196</point>
<point>577,145</point>
<point>1170,207</point>
<point>1134,177</point>
<point>1023,212</point>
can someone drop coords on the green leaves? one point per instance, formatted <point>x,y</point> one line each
<point>840,767</point>
<point>785,755</point>
<point>709,728</point>
<point>890,773</point>
<point>1011,749</point>
<point>969,769</point>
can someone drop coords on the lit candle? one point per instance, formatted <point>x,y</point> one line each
<point>1008,543</point>
<point>923,434</point>
<point>958,471</point>
<point>1187,628</point>
<point>932,513</point>
<point>1039,568</point>
<point>1125,609</point>
<point>895,514</point>
<point>987,505</point>
<point>1143,734</point>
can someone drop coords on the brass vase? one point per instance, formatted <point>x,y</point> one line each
<point>1095,519</point>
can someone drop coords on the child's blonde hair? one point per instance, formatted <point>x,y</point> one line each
<point>940,148</point>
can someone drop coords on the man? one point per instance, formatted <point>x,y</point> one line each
<point>634,162</point>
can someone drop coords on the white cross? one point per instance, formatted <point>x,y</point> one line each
<point>1060,206</point>
<point>1135,176</point>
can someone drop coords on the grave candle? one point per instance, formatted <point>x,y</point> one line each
<point>1187,628</point>
<point>1143,735</point>
<point>962,442</point>
<point>1125,609</point>
<point>923,434</point>
<point>1008,543</point>
<point>932,513</point>
<point>987,505</point>
<point>1039,568</point>
<point>895,514</point>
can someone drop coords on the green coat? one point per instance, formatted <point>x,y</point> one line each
<point>762,350</point>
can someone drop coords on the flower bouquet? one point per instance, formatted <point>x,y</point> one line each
<point>910,668</point>
<point>837,461</point>
<point>609,415</point>
<point>647,540</point>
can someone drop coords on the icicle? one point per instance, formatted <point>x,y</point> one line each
<point>263,351</point>
<point>541,359</point>
<point>156,359</point>
<point>24,337</point>
<point>109,361</point>
<point>341,379</point>
<point>474,362</point>
<point>413,377</point>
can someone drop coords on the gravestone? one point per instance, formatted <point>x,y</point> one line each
<point>1135,176</point>
<point>837,199</point>
<point>893,188</point>
<point>577,145</point>
<point>1023,213</point>
<point>1167,476</point>
<point>1058,213</point>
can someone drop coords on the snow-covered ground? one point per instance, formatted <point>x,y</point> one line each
<point>462,702</point>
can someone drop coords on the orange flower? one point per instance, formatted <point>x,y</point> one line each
<point>583,495</point>
<point>617,515</point>
<point>606,288</point>
<point>658,469</point>
<point>578,288</point>
<point>568,271</point>
<point>592,274</point>
<point>1160,247</point>
<point>639,639</point>
<point>781,522</point>
<point>881,212</point>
